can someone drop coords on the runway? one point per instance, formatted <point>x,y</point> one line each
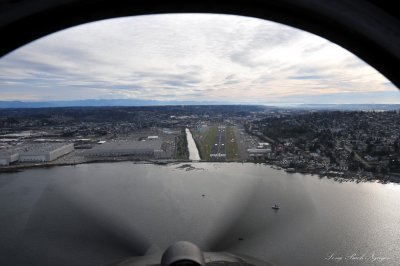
<point>218,151</point>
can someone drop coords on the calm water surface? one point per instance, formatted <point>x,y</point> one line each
<point>96,213</point>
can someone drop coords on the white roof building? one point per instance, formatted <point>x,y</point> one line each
<point>8,156</point>
<point>151,149</point>
<point>45,152</point>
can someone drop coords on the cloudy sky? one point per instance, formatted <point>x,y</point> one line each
<point>190,57</point>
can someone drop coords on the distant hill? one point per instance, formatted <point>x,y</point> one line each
<point>94,102</point>
<point>349,106</point>
<point>140,102</point>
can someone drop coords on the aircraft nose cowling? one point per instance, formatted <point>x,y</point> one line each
<point>183,253</point>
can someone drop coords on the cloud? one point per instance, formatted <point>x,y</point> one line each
<point>197,57</point>
<point>307,77</point>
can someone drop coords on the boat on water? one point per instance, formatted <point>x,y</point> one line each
<point>275,207</point>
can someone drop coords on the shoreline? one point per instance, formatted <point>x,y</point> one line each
<point>338,178</point>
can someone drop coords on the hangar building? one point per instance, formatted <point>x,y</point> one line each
<point>45,152</point>
<point>142,149</point>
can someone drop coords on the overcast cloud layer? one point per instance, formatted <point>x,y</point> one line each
<point>190,57</point>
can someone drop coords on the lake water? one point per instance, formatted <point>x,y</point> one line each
<point>96,213</point>
<point>193,152</point>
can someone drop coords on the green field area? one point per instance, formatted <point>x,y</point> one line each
<point>182,151</point>
<point>205,141</point>
<point>231,144</point>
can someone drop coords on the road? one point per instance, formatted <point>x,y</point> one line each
<point>245,141</point>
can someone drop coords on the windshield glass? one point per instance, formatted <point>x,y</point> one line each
<point>120,137</point>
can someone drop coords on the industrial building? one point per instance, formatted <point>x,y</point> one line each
<point>45,152</point>
<point>141,149</point>
<point>264,145</point>
<point>258,151</point>
<point>7,157</point>
<point>262,151</point>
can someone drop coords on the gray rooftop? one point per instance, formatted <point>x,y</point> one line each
<point>32,149</point>
<point>127,145</point>
<point>7,152</point>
